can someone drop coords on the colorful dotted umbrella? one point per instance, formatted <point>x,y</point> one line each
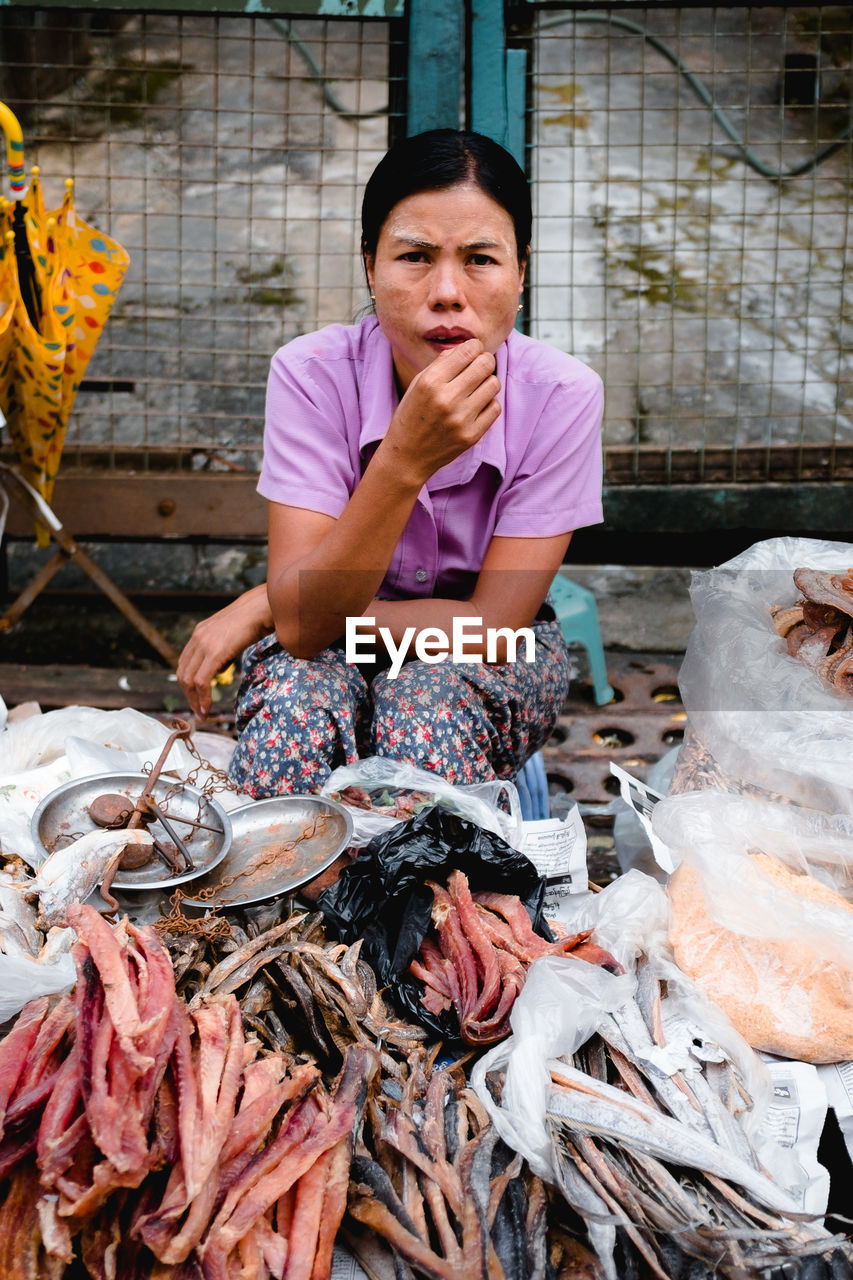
<point>56,291</point>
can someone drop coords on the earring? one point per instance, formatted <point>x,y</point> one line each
<point>520,306</point>
<point>373,297</point>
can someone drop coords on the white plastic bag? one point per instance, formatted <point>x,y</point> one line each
<point>562,1003</point>
<point>766,720</point>
<point>22,980</point>
<point>378,774</point>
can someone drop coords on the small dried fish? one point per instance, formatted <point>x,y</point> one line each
<point>434,1181</point>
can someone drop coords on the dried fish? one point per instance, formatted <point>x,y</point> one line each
<point>818,629</point>
<point>434,1181</point>
<point>478,956</point>
<point>71,873</point>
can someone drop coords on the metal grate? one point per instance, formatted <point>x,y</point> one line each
<point>713,299</point>
<point>228,155</point>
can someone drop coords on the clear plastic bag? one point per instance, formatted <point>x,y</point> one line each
<point>762,716</point>
<point>106,741</point>
<point>763,917</point>
<point>381,777</point>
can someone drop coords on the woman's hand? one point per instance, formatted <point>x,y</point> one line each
<point>446,409</point>
<point>220,639</point>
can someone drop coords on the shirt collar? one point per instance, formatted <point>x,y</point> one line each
<point>378,400</point>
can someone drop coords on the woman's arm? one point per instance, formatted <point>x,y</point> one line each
<point>220,639</point>
<point>512,584</point>
<point>323,570</point>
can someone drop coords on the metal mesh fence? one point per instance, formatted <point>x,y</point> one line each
<point>227,154</point>
<point>710,290</point>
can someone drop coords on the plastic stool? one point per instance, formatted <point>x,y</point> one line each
<point>578,617</point>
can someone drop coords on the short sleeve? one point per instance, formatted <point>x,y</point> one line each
<point>309,460</point>
<point>556,486</point>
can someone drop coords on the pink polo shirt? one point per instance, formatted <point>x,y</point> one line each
<point>535,473</point>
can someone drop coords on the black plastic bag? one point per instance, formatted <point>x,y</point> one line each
<point>382,898</point>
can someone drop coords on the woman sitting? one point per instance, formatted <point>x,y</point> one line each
<point>425,469</point>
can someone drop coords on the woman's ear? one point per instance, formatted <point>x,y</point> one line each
<point>369,261</point>
<point>525,258</point>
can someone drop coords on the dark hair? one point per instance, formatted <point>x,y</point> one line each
<point>442,158</point>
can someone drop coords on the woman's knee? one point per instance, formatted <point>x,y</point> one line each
<point>427,717</point>
<point>298,720</point>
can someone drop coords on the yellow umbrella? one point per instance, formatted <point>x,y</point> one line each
<point>56,291</point>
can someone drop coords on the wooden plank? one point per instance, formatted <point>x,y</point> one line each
<point>790,487</point>
<point>61,686</point>
<point>219,506</point>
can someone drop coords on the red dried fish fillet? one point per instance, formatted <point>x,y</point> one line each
<point>487,1031</point>
<point>266,1089</point>
<point>484,952</point>
<point>15,1049</point>
<point>252,1195</point>
<point>45,1059</point>
<point>272,1246</point>
<point>49,1038</point>
<point>141,1014</point>
<point>334,1207</point>
<point>454,946</point>
<point>105,946</point>
<point>129,975</point>
<point>305,1223</point>
<point>592,953</point>
<point>219,1059</point>
<point>63,1122</point>
<point>438,974</point>
<point>514,912</point>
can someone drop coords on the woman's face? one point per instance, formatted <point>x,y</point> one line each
<point>445,270</point>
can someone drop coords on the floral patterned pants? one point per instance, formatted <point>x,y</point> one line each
<point>299,719</point>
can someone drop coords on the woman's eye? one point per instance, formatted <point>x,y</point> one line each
<point>480,260</point>
<point>414,255</point>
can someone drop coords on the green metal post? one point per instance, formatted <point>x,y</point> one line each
<point>436,49</point>
<point>496,79</point>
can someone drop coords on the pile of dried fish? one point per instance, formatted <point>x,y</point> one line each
<point>298,992</point>
<point>818,629</point>
<point>431,1178</point>
<point>144,1140</point>
<point>653,1158</point>
<point>477,956</point>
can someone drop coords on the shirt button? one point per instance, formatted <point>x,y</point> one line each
<point>421,575</point>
